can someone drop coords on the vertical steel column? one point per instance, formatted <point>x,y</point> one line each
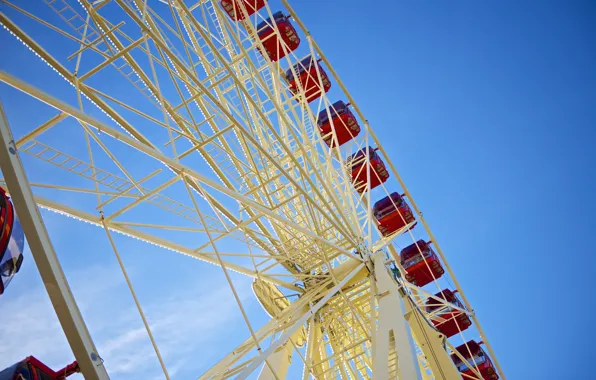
<point>392,318</point>
<point>280,361</point>
<point>45,258</point>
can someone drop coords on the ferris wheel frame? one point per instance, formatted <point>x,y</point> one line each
<point>388,297</point>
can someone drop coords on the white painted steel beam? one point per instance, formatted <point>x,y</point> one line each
<point>101,127</point>
<point>280,362</point>
<point>45,258</point>
<point>392,319</point>
<point>432,343</point>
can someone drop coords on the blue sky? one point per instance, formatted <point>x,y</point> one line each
<point>487,109</point>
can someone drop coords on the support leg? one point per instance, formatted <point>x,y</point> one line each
<point>432,344</point>
<point>280,361</point>
<point>45,258</point>
<point>391,318</point>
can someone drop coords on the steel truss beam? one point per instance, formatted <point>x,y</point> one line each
<point>45,258</point>
<point>156,154</point>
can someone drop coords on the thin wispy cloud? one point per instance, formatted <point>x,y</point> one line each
<point>188,325</point>
<point>30,326</point>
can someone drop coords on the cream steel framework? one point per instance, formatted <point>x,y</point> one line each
<point>213,144</point>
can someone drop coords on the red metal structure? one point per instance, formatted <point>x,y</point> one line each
<point>421,263</point>
<point>306,71</point>
<point>357,168</point>
<point>12,241</point>
<point>477,358</point>
<point>392,214</point>
<point>232,8</point>
<point>33,369</point>
<point>449,321</point>
<point>342,122</point>
<point>275,48</point>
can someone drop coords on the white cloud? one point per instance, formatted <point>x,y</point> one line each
<point>30,326</point>
<point>188,324</point>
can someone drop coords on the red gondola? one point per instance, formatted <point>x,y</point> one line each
<point>345,124</point>
<point>306,70</point>
<point>232,8</point>
<point>477,358</point>
<point>33,369</point>
<point>266,32</point>
<point>357,168</point>
<point>421,268</point>
<point>12,242</point>
<point>392,214</point>
<point>449,321</point>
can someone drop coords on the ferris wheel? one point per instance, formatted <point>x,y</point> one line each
<point>225,120</point>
